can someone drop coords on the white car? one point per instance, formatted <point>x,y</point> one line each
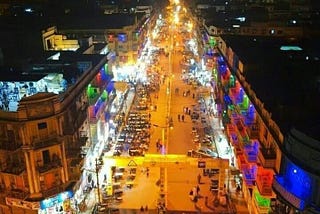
<point>208,152</point>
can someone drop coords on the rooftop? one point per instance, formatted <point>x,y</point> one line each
<point>286,81</point>
<point>53,76</point>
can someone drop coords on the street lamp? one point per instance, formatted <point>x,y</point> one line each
<point>164,138</point>
<point>98,164</point>
<point>96,171</point>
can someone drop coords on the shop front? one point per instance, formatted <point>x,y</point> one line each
<point>59,204</point>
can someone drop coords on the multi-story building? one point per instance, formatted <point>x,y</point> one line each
<point>44,126</point>
<point>266,18</point>
<point>56,93</point>
<point>48,103</point>
<point>266,101</point>
<point>276,146</point>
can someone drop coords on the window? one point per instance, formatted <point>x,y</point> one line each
<point>46,156</point>
<point>42,125</point>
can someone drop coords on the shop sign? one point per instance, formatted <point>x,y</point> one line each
<point>201,164</point>
<point>23,204</point>
<point>50,202</point>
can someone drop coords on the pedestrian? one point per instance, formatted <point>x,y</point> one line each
<point>199,178</point>
<point>146,208</point>
<point>198,190</point>
<point>189,112</point>
<point>141,209</point>
<point>179,117</point>
<point>182,117</point>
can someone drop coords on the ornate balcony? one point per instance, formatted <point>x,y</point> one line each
<point>261,203</point>
<point>52,191</point>
<point>251,151</point>
<point>45,141</point>
<point>14,170</point>
<point>51,165</point>
<point>17,193</point>
<point>264,181</point>
<point>267,157</point>
<point>249,172</point>
<point>9,145</point>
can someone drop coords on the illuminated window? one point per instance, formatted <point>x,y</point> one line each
<point>122,37</point>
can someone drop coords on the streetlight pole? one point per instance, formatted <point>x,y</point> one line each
<point>98,184</point>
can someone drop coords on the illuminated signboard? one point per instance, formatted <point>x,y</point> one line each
<point>50,202</point>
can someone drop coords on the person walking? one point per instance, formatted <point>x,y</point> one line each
<point>182,117</point>
<point>199,178</point>
<point>179,117</point>
<point>198,190</point>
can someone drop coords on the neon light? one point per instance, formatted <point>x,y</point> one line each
<point>262,201</point>
<point>264,181</point>
<point>90,91</point>
<point>212,41</point>
<point>251,150</point>
<point>290,48</point>
<point>104,95</point>
<point>251,112</point>
<point>97,106</point>
<point>250,173</point>
<point>232,81</point>
<point>240,96</point>
<point>122,37</point>
<point>297,181</point>
<point>245,104</point>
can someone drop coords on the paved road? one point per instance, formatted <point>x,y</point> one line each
<point>182,179</point>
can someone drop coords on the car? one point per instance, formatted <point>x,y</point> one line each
<point>117,153</point>
<point>208,151</point>
<point>194,115</point>
<point>135,152</point>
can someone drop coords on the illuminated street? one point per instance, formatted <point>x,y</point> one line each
<point>159,107</point>
<point>185,125</point>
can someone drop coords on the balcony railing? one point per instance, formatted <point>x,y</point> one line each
<point>52,191</point>
<point>267,157</point>
<point>17,170</point>
<point>277,185</point>
<point>262,209</point>
<point>17,193</point>
<point>52,165</point>
<point>73,152</point>
<point>264,186</point>
<point>9,145</point>
<point>45,141</point>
